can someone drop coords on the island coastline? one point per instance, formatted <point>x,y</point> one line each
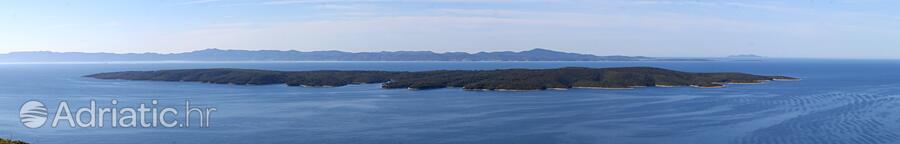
<point>492,80</point>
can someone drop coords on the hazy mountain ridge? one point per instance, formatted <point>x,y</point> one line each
<point>537,54</point>
<point>745,56</point>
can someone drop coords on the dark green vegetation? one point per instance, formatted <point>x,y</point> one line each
<point>5,141</point>
<point>505,79</point>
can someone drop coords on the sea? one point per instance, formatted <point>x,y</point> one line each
<point>836,102</point>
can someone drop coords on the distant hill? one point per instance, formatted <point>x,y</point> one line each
<point>292,55</point>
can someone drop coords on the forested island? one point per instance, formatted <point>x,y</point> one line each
<point>503,79</point>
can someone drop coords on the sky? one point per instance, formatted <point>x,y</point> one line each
<point>661,28</point>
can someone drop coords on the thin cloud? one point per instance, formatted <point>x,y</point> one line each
<point>281,2</point>
<point>200,2</point>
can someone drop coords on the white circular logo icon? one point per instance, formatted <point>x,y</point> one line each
<point>33,114</point>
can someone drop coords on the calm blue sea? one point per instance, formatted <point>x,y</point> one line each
<point>837,102</point>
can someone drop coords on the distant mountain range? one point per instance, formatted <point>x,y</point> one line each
<point>292,55</point>
<point>745,56</point>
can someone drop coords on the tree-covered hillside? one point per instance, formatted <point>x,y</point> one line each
<point>504,79</point>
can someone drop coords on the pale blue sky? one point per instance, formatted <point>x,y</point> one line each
<point>683,28</point>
